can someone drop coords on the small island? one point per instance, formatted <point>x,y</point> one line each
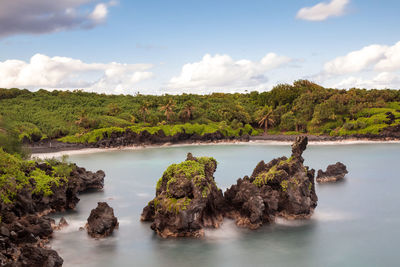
<point>188,199</point>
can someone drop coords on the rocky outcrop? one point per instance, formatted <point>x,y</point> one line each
<point>24,232</point>
<point>187,200</point>
<point>333,173</point>
<point>101,222</point>
<point>38,257</point>
<point>283,187</point>
<point>63,197</point>
<point>22,242</point>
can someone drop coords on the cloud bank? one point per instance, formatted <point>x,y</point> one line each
<point>381,62</point>
<point>46,16</point>
<point>67,73</point>
<point>221,71</point>
<point>323,10</point>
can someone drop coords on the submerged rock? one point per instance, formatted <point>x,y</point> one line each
<point>333,173</point>
<point>61,224</point>
<point>283,187</point>
<point>187,199</point>
<point>101,222</point>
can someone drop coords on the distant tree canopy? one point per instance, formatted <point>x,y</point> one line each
<point>302,107</point>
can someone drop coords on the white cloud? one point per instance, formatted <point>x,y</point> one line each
<point>221,71</point>
<point>99,13</point>
<point>356,61</point>
<point>67,73</point>
<point>375,57</point>
<point>381,81</point>
<point>373,66</point>
<point>45,16</point>
<point>391,59</point>
<point>323,10</point>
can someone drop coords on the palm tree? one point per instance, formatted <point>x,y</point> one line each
<point>168,109</point>
<point>187,111</point>
<point>144,109</point>
<point>266,118</point>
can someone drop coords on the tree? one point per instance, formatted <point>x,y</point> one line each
<point>83,120</point>
<point>9,141</point>
<point>144,110</point>
<point>113,109</point>
<point>168,109</point>
<point>266,118</point>
<point>187,111</point>
<point>288,121</point>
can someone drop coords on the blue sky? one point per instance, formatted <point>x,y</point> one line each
<point>162,46</point>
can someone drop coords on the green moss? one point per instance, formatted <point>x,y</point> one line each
<point>264,177</point>
<point>193,170</point>
<point>189,169</point>
<point>172,204</point>
<point>44,182</point>
<point>170,181</point>
<point>159,183</point>
<point>156,203</point>
<point>284,185</point>
<point>16,173</point>
<point>206,190</point>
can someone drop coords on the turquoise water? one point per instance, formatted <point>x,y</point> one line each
<point>356,223</point>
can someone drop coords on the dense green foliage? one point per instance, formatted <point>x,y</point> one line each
<point>169,130</point>
<point>16,174</point>
<point>301,107</point>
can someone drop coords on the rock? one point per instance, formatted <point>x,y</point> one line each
<point>298,147</point>
<point>283,187</point>
<point>4,231</point>
<point>39,257</point>
<point>187,200</point>
<point>101,222</point>
<point>63,223</point>
<point>24,230</point>
<point>333,173</point>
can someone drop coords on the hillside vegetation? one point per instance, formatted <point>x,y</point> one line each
<point>303,107</point>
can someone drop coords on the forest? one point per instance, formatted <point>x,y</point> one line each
<point>301,107</point>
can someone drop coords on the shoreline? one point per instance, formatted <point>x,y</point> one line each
<point>90,150</point>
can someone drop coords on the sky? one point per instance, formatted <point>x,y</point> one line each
<point>193,46</point>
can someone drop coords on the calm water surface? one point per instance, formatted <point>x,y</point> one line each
<point>356,223</point>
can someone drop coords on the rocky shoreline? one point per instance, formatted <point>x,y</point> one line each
<point>25,229</point>
<point>51,146</point>
<point>129,138</point>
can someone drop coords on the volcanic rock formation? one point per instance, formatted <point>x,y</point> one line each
<point>283,187</point>
<point>187,199</point>
<point>333,173</point>
<point>24,232</point>
<point>101,221</point>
